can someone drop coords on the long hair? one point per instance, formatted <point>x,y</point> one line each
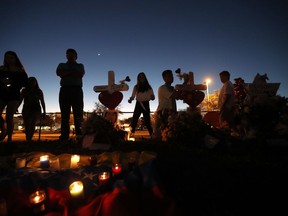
<point>29,87</point>
<point>18,62</point>
<point>142,86</point>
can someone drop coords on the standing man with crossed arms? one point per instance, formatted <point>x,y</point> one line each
<point>71,93</point>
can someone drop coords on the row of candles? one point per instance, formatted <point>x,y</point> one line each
<point>53,163</point>
<point>76,189</point>
<point>37,199</point>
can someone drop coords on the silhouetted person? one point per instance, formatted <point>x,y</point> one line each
<point>143,93</point>
<point>13,79</point>
<point>33,102</point>
<point>167,103</point>
<point>226,101</point>
<point>71,93</point>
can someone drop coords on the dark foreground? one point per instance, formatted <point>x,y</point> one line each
<point>239,178</point>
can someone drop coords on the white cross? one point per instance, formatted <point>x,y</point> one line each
<point>188,84</point>
<point>112,87</point>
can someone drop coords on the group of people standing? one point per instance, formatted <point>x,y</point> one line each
<point>16,86</point>
<point>167,96</point>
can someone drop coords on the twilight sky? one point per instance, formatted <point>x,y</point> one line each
<point>245,37</point>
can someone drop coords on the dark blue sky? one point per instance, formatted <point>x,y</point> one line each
<point>245,37</point>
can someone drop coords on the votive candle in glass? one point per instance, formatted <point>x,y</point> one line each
<point>44,161</point>
<point>77,189</point>
<point>116,169</point>
<point>74,161</point>
<point>103,177</point>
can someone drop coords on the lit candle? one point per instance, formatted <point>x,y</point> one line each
<point>74,161</point>
<point>116,169</point>
<point>103,177</point>
<point>44,161</point>
<point>37,200</point>
<point>76,189</point>
<point>37,197</point>
<point>20,162</point>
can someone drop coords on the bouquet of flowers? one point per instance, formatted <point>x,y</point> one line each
<point>102,129</point>
<point>187,127</point>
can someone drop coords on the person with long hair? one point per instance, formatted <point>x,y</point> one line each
<point>143,93</point>
<point>33,101</point>
<point>13,78</point>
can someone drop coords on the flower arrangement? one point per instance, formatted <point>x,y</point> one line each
<point>96,123</point>
<point>186,127</point>
<point>102,129</point>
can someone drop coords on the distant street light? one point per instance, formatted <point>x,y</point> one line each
<point>207,81</point>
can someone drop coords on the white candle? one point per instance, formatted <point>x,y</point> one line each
<point>76,189</point>
<point>20,162</point>
<point>74,161</point>
<point>44,161</point>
